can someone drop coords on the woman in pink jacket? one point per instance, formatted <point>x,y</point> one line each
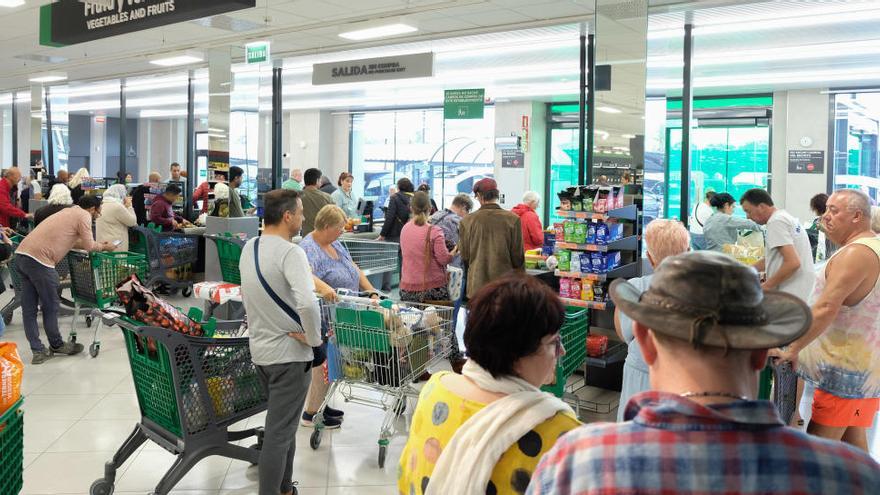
<point>425,257</point>
<point>533,233</point>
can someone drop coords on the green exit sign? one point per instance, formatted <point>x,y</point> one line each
<point>257,53</point>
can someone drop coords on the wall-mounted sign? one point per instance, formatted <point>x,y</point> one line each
<point>512,159</point>
<point>464,103</point>
<point>374,69</point>
<point>806,161</point>
<point>257,52</point>
<point>68,22</point>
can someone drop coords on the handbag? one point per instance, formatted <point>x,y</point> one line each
<point>428,258</point>
<point>320,352</point>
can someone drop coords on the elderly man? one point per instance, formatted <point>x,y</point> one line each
<point>8,210</point>
<point>533,233</point>
<point>490,240</point>
<point>295,181</point>
<point>704,327</point>
<point>840,354</point>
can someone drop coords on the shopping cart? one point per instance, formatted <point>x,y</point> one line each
<point>381,347</point>
<point>373,257</point>
<point>574,338</point>
<point>190,391</point>
<point>229,253</point>
<point>169,254</point>
<point>12,450</point>
<point>63,270</point>
<point>94,278</point>
<point>778,382</point>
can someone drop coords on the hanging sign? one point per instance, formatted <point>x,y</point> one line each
<point>68,22</point>
<point>464,103</point>
<point>257,52</point>
<point>374,69</point>
<point>806,161</point>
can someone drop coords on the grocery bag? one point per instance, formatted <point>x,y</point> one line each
<point>144,306</point>
<point>11,369</point>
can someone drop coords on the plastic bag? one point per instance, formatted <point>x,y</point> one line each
<point>749,248</point>
<point>11,369</point>
<point>146,307</point>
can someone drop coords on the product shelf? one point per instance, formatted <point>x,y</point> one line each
<point>629,212</point>
<point>580,303</point>
<point>630,243</point>
<point>625,271</point>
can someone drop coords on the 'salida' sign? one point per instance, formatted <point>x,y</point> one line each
<point>68,22</point>
<point>374,69</point>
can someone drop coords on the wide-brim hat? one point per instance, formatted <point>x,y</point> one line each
<point>708,298</point>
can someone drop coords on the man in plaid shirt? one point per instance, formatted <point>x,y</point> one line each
<point>704,327</point>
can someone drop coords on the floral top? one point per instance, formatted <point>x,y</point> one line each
<point>341,273</point>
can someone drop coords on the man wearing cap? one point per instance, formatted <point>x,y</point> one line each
<point>840,354</point>
<point>490,240</point>
<point>704,327</point>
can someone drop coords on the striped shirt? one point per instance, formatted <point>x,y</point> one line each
<point>673,445</point>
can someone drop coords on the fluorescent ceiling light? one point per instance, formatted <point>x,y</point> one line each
<point>178,59</point>
<point>11,3</point>
<point>379,32</point>
<point>628,136</point>
<point>47,78</point>
<point>803,52</point>
<point>609,110</point>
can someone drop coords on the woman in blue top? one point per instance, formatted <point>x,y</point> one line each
<point>332,268</point>
<point>722,227</point>
<point>663,238</point>
<point>343,197</point>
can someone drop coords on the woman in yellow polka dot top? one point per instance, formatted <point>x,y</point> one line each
<point>484,431</point>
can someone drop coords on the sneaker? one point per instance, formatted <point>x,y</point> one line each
<point>333,413</point>
<point>42,356</point>
<point>69,348</point>
<point>330,423</point>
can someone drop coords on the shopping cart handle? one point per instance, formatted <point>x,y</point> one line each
<point>364,296</point>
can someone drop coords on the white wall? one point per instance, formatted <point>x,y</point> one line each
<point>160,142</point>
<point>97,148</point>
<point>798,114</point>
<point>311,142</point>
<point>513,182</point>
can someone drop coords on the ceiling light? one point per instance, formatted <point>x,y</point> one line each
<point>48,78</point>
<point>11,3</point>
<point>378,31</point>
<point>628,136</point>
<point>179,59</point>
<point>609,110</point>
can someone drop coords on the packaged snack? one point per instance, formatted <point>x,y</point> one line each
<point>600,201</point>
<point>568,229</point>
<point>565,288</point>
<point>615,232</point>
<point>618,197</point>
<point>586,290</point>
<point>560,231</point>
<point>588,203</point>
<point>597,263</point>
<point>586,263</point>
<point>11,370</point>
<point>575,263</point>
<point>563,257</point>
<point>564,200</point>
<point>574,289</point>
<point>599,292</point>
<point>580,233</point>
<point>612,260</point>
<point>591,234</point>
<point>601,234</point>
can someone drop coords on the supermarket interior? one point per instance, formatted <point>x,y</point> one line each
<point>150,353</point>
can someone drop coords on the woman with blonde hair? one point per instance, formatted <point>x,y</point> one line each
<point>663,238</point>
<point>59,199</point>
<point>117,215</point>
<point>76,183</point>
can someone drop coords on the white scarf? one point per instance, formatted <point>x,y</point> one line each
<point>465,466</point>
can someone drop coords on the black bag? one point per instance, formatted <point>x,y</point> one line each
<point>320,352</point>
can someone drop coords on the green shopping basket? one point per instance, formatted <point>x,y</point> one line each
<point>574,339</point>
<point>12,450</point>
<point>95,276</point>
<point>229,251</point>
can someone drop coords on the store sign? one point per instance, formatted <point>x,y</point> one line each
<point>512,159</point>
<point>806,161</point>
<point>68,22</point>
<point>374,69</point>
<point>464,103</point>
<point>257,53</point>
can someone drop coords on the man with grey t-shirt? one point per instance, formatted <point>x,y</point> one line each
<point>788,258</point>
<point>284,322</point>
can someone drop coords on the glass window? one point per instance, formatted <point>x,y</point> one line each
<point>249,131</point>
<point>156,112</point>
<point>856,151</point>
<point>6,130</point>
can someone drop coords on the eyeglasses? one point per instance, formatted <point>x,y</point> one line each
<point>557,343</point>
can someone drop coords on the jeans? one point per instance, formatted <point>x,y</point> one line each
<point>286,385</point>
<point>698,242</point>
<point>39,287</point>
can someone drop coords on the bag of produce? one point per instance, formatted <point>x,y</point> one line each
<point>11,369</point>
<point>142,305</point>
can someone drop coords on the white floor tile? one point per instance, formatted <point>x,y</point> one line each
<point>150,466</point>
<point>55,473</point>
<point>310,469</point>
<point>40,434</point>
<point>75,407</point>
<point>362,490</point>
<point>116,406</point>
<point>89,435</point>
<point>29,458</point>
<point>358,466</point>
<point>80,383</point>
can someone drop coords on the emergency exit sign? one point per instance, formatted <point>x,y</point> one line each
<point>257,53</point>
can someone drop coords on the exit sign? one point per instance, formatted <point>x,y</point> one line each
<point>257,53</point>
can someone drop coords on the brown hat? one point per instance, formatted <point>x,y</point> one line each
<point>708,298</point>
<point>485,185</point>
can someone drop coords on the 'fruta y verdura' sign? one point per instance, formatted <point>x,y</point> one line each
<point>68,22</point>
<point>374,69</point>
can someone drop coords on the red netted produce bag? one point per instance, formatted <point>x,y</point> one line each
<point>597,345</point>
<point>142,305</point>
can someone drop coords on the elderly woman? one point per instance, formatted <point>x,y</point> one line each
<point>343,197</point>
<point>76,183</point>
<point>221,200</point>
<point>332,268</point>
<point>722,227</point>
<point>664,238</point>
<point>485,430</point>
<point>59,199</point>
<point>117,215</point>
<point>533,233</point>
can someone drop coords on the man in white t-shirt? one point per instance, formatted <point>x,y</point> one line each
<point>788,258</point>
<point>701,212</point>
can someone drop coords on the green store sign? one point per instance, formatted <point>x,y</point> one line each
<point>464,103</point>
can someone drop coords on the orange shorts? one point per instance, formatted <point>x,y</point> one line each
<point>837,412</point>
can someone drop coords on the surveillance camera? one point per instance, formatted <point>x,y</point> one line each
<point>285,155</point>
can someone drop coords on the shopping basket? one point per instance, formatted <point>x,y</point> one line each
<point>574,338</point>
<point>190,391</point>
<point>381,347</point>
<point>11,449</point>
<point>63,270</point>
<point>94,277</point>
<point>778,382</point>
<point>229,253</point>
<point>373,257</point>
<point>169,255</point>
